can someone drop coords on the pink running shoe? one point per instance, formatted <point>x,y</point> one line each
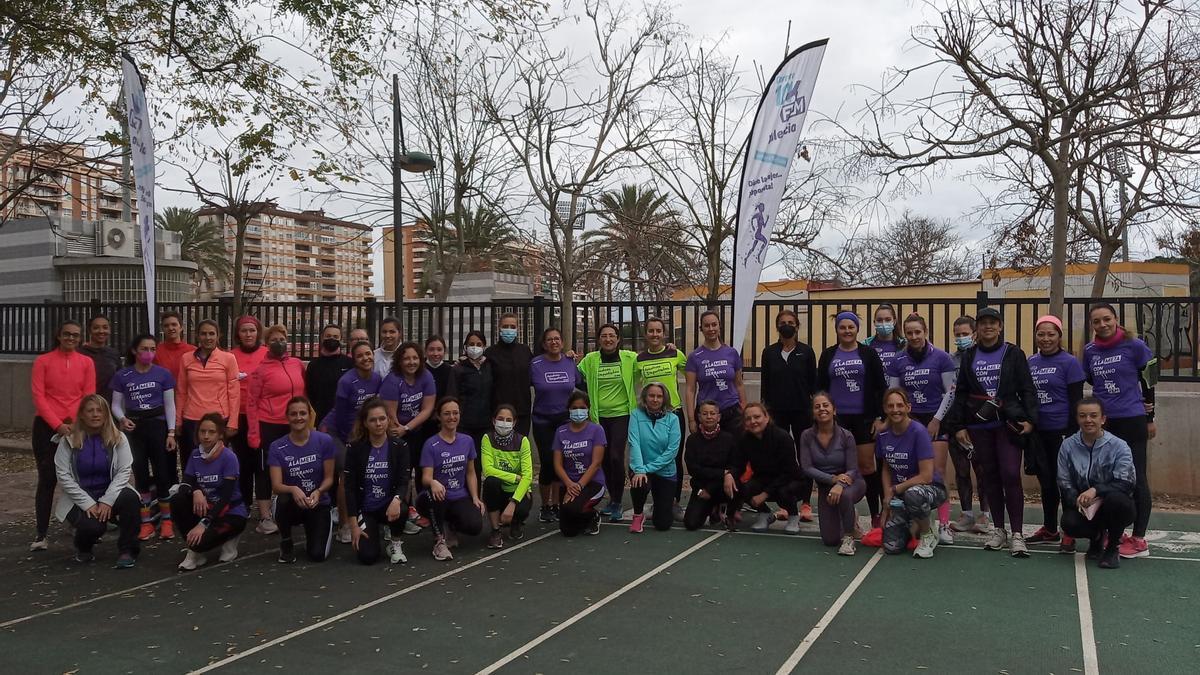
<point>636,526</point>
<point>1133,547</point>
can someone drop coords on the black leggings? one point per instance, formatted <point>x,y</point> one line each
<point>317,522</point>
<point>221,529</point>
<point>699,508</point>
<point>459,514</point>
<point>185,443</point>
<point>962,478</point>
<point>575,516</point>
<point>1133,431</point>
<point>782,491</point>
<point>679,471</point>
<point>148,442</point>
<point>44,448</point>
<point>496,498</point>
<point>370,547</point>
<point>268,433</point>
<point>1113,516</point>
<point>126,511</point>
<point>1050,442</point>
<point>795,422</point>
<point>663,489</point>
<point>543,438</point>
<point>255,480</point>
<point>616,431</point>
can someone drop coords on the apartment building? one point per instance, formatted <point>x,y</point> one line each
<point>66,183</point>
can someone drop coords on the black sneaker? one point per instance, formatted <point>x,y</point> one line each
<point>1096,547</point>
<point>594,526</point>
<point>1111,559</point>
<point>84,556</point>
<point>516,531</point>
<point>546,515</point>
<point>554,510</point>
<point>287,553</point>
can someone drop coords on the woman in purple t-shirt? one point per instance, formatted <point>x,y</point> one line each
<point>912,487</point>
<point>1114,363</point>
<point>713,372</point>
<point>208,507</point>
<point>578,460</point>
<point>450,498</point>
<point>302,466</point>
<point>409,392</point>
<point>554,376</point>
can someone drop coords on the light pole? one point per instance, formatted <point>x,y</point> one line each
<point>412,162</point>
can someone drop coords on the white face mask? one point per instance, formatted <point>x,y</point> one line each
<point>474,351</point>
<point>503,428</point>
<point>434,364</point>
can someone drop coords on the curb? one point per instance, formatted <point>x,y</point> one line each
<point>16,445</point>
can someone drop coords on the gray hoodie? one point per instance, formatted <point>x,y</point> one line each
<point>1106,466</point>
<point>120,468</point>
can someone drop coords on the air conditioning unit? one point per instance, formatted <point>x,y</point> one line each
<point>117,238</point>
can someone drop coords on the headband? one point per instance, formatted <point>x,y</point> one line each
<point>841,316</point>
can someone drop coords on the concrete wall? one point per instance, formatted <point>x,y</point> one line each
<point>16,403</point>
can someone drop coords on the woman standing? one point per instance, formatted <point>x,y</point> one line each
<point>1059,382</point>
<point>770,454</point>
<point>209,504</point>
<point>928,375</point>
<point>94,464</point>
<point>1114,363</point>
<point>554,377</point>
<point>356,386</point>
<point>965,463</point>
<point>912,486</point>
<point>440,368</point>
<point>376,483</point>
<point>61,378</point>
<point>507,476</point>
<point>510,361</point>
<point>787,380</point>
<point>450,494</point>
<point>302,465</point>
<point>578,462</point>
<point>99,349</point>
<point>409,392</point>
<point>709,454</point>
<point>885,341</point>
<point>995,404</point>
<point>829,456</point>
<point>143,403</point>
<point>713,372</point>
<point>653,446</point>
<point>252,459</point>
<point>608,374</point>
<point>277,380</point>
<point>208,382</point>
<point>662,363</point>
<point>853,375</point>
<point>471,382</point>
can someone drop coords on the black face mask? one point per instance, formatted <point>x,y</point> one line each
<point>331,344</point>
<point>787,331</point>
<point>278,349</point>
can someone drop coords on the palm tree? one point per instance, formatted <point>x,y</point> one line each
<point>487,241</point>
<point>640,239</point>
<point>203,244</point>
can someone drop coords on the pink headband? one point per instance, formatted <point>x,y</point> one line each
<point>1050,319</point>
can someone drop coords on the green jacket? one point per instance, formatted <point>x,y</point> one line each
<point>589,367</point>
<point>505,465</point>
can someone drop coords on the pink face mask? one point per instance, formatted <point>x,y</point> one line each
<point>145,358</point>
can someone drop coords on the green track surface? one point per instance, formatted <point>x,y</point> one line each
<point>1147,616</point>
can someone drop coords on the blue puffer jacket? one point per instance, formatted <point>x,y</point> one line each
<point>1106,466</point>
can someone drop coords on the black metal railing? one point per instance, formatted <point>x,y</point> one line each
<point>1169,325</point>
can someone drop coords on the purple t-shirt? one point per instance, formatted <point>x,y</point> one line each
<point>553,382</point>
<point>888,351</point>
<point>377,481</point>
<point>576,449</point>
<point>1115,375</point>
<point>1052,375</point>
<point>450,462</point>
<point>92,467</point>
<point>847,380</point>
<point>986,367</point>
<point>142,391</point>
<point>303,465</point>
<point>923,379</point>
<point>352,391</point>
<point>716,371</point>
<point>407,396</point>
<point>903,452</point>
<point>209,475</point>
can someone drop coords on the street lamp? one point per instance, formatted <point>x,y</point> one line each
<point>412,162</point>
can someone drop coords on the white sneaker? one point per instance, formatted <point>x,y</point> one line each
<point>847,547</point>
<point>267,526</point>
<point>983,524</point>
<point>929,541</point>
<point>192,560</point>
<point>945,534</point>
<point>39,544</point>
<point>396,552</point>
<point>763,523</point>
<point>343,535</point>
<point>410,528</point>
<point>1017,547</point>
<point>996,539</point>
<point>793,525</point>
<point>229,550</point>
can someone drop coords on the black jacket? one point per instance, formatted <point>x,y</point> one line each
<point>356,471</point>
<point>441,382</point>
<point>708,459</point>
<point>510,370</point>
<point>788,386</point>
<point>771,458</point>
<point>321,380</point>
<point>1015,391</point>
<point>473,388</point>
<point>876,380</point>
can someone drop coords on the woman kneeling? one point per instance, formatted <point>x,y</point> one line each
<point>451,497</point>
<point>507,476</point>
<point>829,456</point>
<point>302,470</point>
<point>912,488</point>
<point>770,454</point>
<point>653,444</point>
<point>208,507</point>
<point>376,484</point>
<point>578,458</point>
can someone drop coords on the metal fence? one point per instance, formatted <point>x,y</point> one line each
<point>1169,325</point>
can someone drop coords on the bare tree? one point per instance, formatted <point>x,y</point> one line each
<point>1041,94</point>
<point>912,250</point>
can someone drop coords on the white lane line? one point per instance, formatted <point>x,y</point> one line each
<point>176,577</point>
<point>1091,662</point>
<point>514,655</point>
<point>794,660</point>
<point>367,605</point>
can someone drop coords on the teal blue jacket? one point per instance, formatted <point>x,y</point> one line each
<point>653,444</point>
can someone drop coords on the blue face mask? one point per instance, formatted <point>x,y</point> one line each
<point>964,342</point>
<point>508,335</point>
<point>884,329</point>
<point>579,415</point>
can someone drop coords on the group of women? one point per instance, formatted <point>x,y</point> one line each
<point>349,452</point>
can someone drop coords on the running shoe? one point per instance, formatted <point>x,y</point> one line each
<point>731,523</point>
<point>1096,547</point>
<point>594,526</point>
<point>793,525</point>
<point>495,540</point>
<point>638,520</point>
<point>343,535</point>
<point>1044,535</point>
<point>287,552</point>
<point>1111,558</point>
<point>396,552</point>
<point>84,556</point>
<point>806,513</point>
<point>965,522</point>
<point>146,532</point>
<point>422,522</point>
<point>267,526</point>
<point>781,514</point>
<point>945,534</point>
<point>924,549</point>
<point>125,561</point>
<point>546,515</point>
<point>847,547</point>
<point>763,522</point>
<point>615,512</point>
<point>996,539</point>
<point>875,521</point>
<point>166,530</point>
<point>983,524</point>
<point>412,513</point>
<point>39,544</point>
<point>554,510</point>
<point>677,512</point>
<point>441,551</point>
<point>192,560</point>
<point>1133,547</point>
<point>411,528</point>
<point>1016,545</point>
<point>229,550</point>
<point>1067,545</point>
<point>516,531</point>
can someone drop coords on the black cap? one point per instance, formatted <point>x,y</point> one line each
<point>989,312</point>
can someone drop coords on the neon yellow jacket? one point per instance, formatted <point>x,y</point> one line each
<point>513,467</point>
